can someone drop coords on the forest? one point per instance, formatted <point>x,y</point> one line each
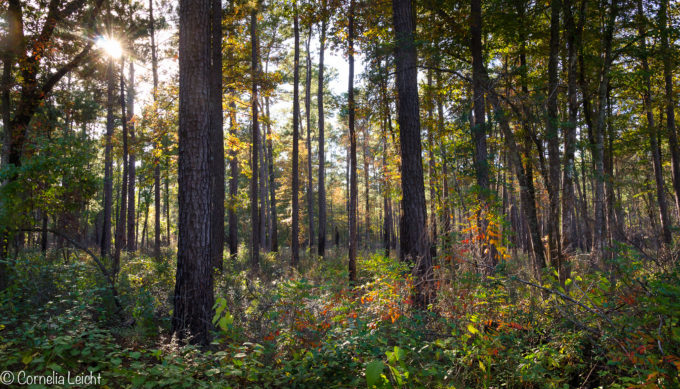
<point>340,193</point>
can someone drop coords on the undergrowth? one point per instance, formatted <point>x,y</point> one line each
<point>307,328</point>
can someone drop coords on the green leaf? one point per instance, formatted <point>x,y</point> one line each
<point>373,371</point>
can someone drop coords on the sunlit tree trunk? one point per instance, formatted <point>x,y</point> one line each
<point>122,213</point>
<point>157,140</point>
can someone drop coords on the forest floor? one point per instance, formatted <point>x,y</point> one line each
<point>308,328</point>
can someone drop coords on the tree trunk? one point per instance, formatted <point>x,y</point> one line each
<point>308,104</point>
<point>233,179</point>
<point>216,136</point>
<point>157,140</point>
<point>569,222</point>
<point>254,212</point>
<point>599,241</point>
<point>415,247</point>
<point>667,56</point>
<point>431,164</point>
<point>651,128</point>
<point>193,301</point>
<point>479,125</point>
<point>273,220</point>
<point>122,213</point>
<point>108,161</point>
<point>322,155</point>
<point>295,186</point>
<point>131,239</point>
<point>353,190</point>
<point>552,127</point>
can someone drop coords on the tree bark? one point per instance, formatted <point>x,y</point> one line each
<point>157,140</point>
<point>321,129</point>
<point>651,128</point>
<point>295,186</point>
<point>193,301</point>
<point>254,212</point>
<point>122,213</point>
<point>415,246</point>
<point>131,238</point>
<point>216,135</point>
<point>599,241</point>
<point>569,222</point>
<point>667,56</point>
<point>353,190</point>
<point>108,161</point>
<point>273,220</point>
<point>552,127</point>
<point>308,104</point>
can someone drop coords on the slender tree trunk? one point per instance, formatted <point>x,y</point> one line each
<point>651,128</point>
<point>254,212</point>
<point>273,220</point>
<point>108,161</point>
<point>321,129</point>
<point>479,125</point>
<point>193,301</point>
<point>353,190</point>
<point>157,140</point>
<point>295,187</point>
<point>569,222</point>
<point>599,241</point>
<point>131,239</point>
<point>367,214</point>
<point>120,224</point>
<point>263,185</point>
<point>415,246</point>
<point>431,165</point>
<point>552,126</point>
<point>667,56</point>
<point>216,136</point>
<point>310,176</point>
<point>233,179</point>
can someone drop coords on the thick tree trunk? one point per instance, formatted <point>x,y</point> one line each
<point>353,190</point>
<point>254,212</point>
<point>415,246</point>
<point>295,186</point>
<point>322,155</point>
<point>193,301</point>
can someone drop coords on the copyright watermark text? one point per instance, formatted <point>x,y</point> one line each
<point>22,378</point>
